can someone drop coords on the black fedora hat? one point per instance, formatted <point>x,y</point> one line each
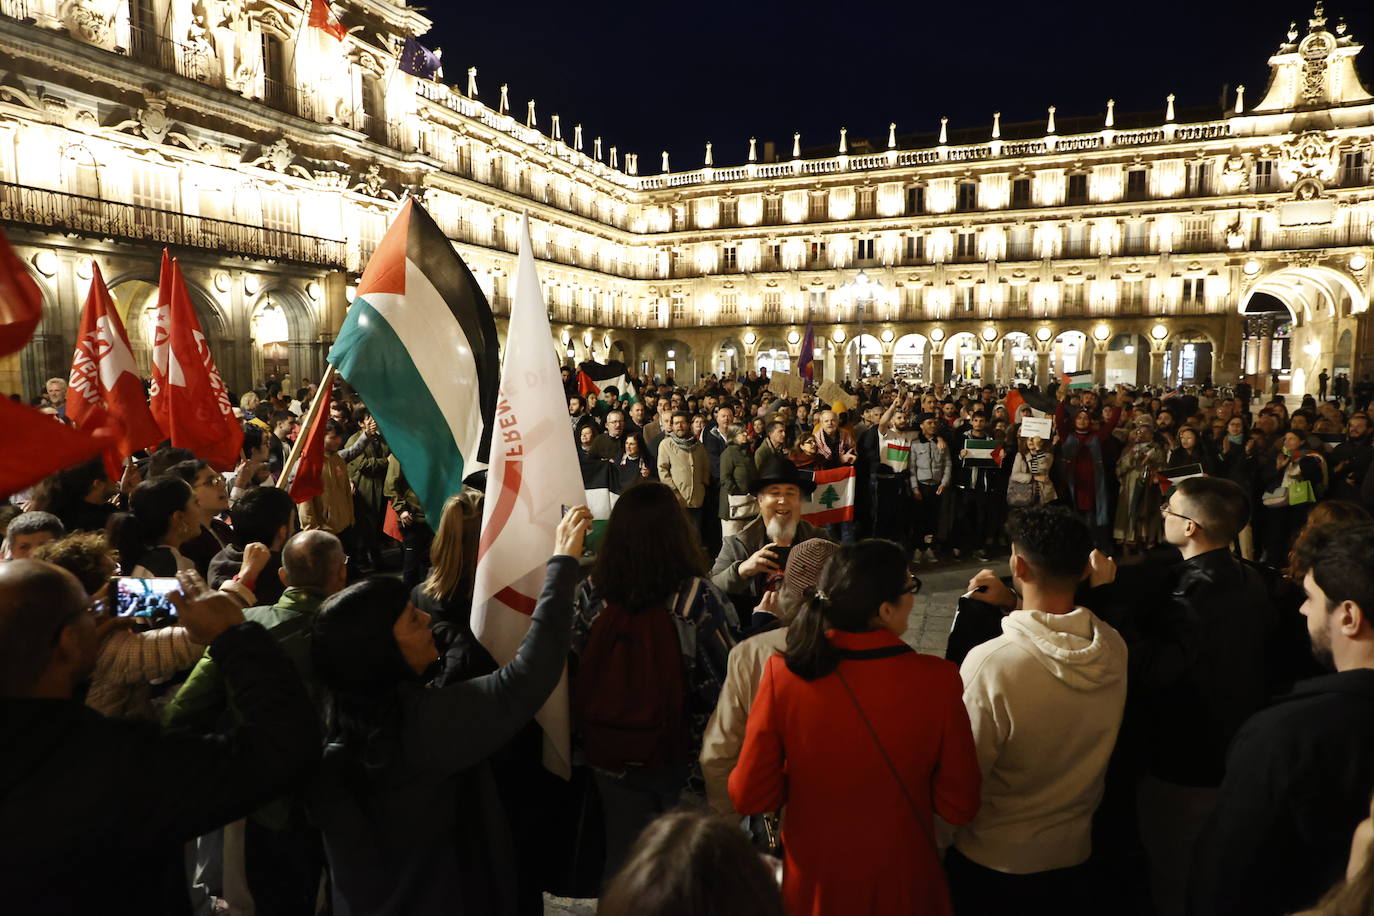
<point>803,481</point>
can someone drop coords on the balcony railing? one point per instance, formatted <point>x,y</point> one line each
<point>90,216</point>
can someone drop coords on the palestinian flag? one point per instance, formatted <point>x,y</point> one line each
<point>982,453</point>
<point>1039,403</point>
<point>601,487</point>
<point>1170,477</point>
<point>419,345</point>
<point>833,499</point>
<point>594,377</point>
<point>1077,381</point>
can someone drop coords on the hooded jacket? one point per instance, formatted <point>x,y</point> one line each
<point>1045,700</point>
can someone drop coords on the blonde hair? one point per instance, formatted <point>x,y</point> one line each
<point>448,565</point>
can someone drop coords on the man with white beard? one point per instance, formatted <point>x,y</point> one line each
<point>751,562</point>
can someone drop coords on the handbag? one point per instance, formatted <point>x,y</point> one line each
<point>742,506</point>
<point>1300,492</point>
<point>927,829</point>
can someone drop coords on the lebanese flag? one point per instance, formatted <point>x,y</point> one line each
<point>189,400</point>
<point>833,499</point>
<point>21,301</point>
<point>105,390</point>
<point>533,474</point>
<point>322,16</point>
<point>307,475</point>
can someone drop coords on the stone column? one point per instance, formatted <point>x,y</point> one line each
<point>1042,367</point>
<point>1156,365</point>
<point>1100,363</point>
<point>1261,381</point>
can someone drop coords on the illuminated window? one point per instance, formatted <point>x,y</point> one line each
<point>1020,192</point>
<point>967,196</point>
<point>864,249</point>
<point>729,211</point>
<point>1264,175</point>
<point>1135,184</point>
<point>916,199</point>
<point>772,210</point>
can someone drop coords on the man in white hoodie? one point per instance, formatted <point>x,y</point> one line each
<point>1045,699</point>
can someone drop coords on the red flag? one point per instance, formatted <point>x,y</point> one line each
<point>39,445</point>
<point>189,400</point>
<point>322,16</point>
<point>21,301</point>
<point>585,385</point>
<point>391,523</point>
<point>307,477</point>
<point>105,391</point>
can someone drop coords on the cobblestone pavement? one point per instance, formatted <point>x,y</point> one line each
<point>928,632</point>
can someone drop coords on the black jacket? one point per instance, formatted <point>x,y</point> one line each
<point>423,832</point>
<point>227,563</point>
<point>1298,781</point>
<point>1200,663</point>
<point>94,811</point>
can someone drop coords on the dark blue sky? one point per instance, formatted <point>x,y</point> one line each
<point>648,77</point>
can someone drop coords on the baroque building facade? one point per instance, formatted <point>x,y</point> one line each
<point>1166,247</point>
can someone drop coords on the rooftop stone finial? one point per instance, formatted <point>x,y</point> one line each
<point>614,157</point>
<point>1111,113</point>
<point>530,120</point>
<point>844,140</point>
<point>996,125</point>
<point>710,160</point>
<point>557,128</point>
<point>577,137</point>
<point>892,135</point>
<point>665,168</point>
<point>1318,20</point>
<point>1293,31</point>
<point>753,149</point>
<point>596,149</point>
<point>944,130</point>
<point>796,145</point>
<point>1169,109</point>
<point>1240,98</point>
<point>504,104</point>
<point>472,82</point>
<point>1049,128</point>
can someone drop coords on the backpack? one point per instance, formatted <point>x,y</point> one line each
<point>629,692</point>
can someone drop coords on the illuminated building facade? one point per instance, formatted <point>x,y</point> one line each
<point>270,156</point>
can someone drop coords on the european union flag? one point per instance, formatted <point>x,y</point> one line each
<point>417,60</point>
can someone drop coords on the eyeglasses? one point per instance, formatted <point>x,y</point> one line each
<point>1165,510</point>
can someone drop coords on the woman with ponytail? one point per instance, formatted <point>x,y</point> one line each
<point>163,515</point>
<point>864,741</point>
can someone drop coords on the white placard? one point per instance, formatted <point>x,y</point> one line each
<point>1037,428</point>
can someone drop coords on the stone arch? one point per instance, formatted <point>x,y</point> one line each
<point>773,353</point>
<point>1305,291</point>
<point>867,350</point>
<point>1127,359</point>
<point>963,358</point>
<point>299,350</point>
<point>1016,354</point>
<point>670,355</point>
<point>911,356</point>
<point>621,350</point>
<point>49,353</point>
<point>1069,352</point>
<point>1343,359</point>
<point>1188,357</point>
<point>728,357</point>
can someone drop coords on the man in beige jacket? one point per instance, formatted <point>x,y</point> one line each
<point>724,734</point>
<point>684,465</point>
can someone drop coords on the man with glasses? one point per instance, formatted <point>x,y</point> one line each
<point>282,851</point>
<point>1199,670</point>
<point>83,827</point>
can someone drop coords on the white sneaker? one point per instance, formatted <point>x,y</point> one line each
<point>930,556</point>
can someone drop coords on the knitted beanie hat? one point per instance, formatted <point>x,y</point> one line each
<point>804,566</point>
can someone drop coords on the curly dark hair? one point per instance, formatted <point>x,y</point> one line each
<point>649,549</point>
<point>1052,539</point>
<point>86,555</point>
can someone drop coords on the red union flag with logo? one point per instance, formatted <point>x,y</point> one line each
<point>105,390</point>
<point>532,475</point>
<point>833,499</point>
<point>189,400</point>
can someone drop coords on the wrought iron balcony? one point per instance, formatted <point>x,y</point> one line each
<point>58,211</point>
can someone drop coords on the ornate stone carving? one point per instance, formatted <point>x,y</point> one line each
<point>153,122</point>
<point>1311,154</point>
<point>92,21</point>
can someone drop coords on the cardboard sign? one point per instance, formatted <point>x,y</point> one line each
<point>786,385</point>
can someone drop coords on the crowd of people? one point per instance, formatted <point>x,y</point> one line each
<point>1155,707</point>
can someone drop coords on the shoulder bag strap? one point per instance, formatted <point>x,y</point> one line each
<point>926,829</point>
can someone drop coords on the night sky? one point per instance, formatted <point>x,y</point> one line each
<point>671,76</point>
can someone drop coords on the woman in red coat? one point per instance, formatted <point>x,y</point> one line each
<point>856,840</point>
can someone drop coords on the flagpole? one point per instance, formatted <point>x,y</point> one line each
<point>321,402</point>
